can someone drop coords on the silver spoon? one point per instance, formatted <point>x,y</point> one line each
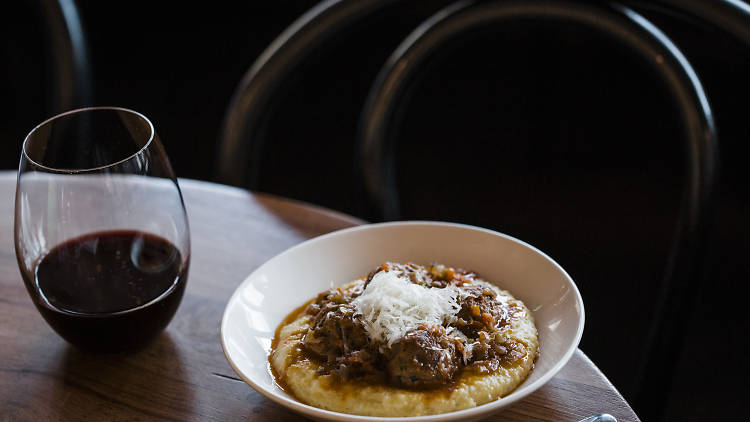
<point>602,417</point>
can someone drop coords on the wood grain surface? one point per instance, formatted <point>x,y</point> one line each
<point>183,375</point>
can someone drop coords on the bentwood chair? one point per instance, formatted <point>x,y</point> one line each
<point>632,238</point>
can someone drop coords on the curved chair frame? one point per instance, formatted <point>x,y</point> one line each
<point>72,76</point>
<point>731,16</point>
<point>630,29</point>
<point>241,138</point>
<point>241,133</point>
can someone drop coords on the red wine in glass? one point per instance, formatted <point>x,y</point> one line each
<point>101,232</point>
<point>109,290</point>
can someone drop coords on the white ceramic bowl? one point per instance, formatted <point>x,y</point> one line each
<point>295,276</point>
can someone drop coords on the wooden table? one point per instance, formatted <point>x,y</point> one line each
<point>183,375</point>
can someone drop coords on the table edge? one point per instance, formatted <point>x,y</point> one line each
<point>235,190</point>
<point>218,187</point>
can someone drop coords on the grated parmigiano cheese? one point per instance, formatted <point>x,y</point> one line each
<point>391,306</point>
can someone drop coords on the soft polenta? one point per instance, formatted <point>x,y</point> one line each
<point>406,340</point>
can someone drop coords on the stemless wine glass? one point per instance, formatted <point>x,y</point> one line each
<point>101,233</point>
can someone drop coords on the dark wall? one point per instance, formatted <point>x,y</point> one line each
<point>546,132</point>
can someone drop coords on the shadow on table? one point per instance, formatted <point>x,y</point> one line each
<point>122,386</point>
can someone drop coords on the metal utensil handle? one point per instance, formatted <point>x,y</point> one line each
<point>602,417</point>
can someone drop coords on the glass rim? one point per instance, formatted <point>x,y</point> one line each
<point>91,169</point>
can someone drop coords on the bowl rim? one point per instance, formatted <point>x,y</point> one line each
<point>519,393</point>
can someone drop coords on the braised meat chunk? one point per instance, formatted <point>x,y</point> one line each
<point>423,358</point>
<point>335,332</point>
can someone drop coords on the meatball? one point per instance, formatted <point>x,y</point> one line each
<point>422,359</point>
<point>335,332</point>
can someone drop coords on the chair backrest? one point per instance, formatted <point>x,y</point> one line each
<point>242,132</point>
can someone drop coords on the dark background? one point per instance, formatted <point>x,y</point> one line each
<point>545,132</point>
